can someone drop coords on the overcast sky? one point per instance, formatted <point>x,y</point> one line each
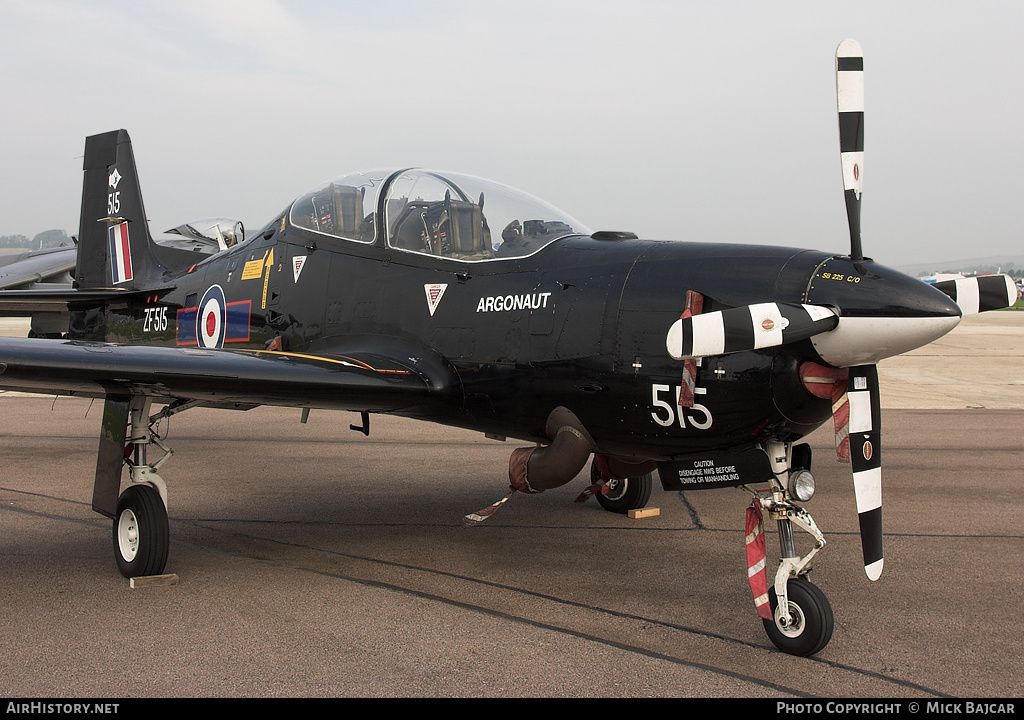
<point>699,120</point>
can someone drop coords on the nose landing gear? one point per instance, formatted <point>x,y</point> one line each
<point>797,615</point>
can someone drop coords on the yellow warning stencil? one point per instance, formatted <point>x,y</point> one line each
<point>253,270</point>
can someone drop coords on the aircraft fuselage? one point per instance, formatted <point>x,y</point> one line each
<point>581,324</point>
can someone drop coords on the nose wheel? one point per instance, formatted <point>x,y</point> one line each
<point>807,627</point>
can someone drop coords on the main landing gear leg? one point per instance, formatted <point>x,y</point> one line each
<point>141,530</point>
<point>800,620</point>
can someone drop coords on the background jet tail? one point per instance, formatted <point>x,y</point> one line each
<point>115,249</point>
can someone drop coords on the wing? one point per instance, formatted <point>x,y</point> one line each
<point>381,381</point>
<point>21,271</point>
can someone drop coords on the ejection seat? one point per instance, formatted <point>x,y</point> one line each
<point>458,229</point>
<point>338,210</point>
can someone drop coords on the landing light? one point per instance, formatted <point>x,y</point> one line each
<point>801,485</point>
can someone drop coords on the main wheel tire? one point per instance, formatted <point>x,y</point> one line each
<point>624,494</point>
<point>812,621</point>
<point>141,532</point>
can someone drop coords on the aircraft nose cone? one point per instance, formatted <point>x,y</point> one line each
<point>882,312</point>
<point>867,289</point>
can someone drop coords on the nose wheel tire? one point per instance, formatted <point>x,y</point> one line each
<point>811,621</point>
<point>141,532</point>
<point>624,494</point>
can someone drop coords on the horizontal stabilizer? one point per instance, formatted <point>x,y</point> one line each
<point>749,327</point>
<point>21,302</point>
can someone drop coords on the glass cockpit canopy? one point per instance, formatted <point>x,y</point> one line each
<point>433,213</point>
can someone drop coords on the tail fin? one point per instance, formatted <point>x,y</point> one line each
<point>115,248</point>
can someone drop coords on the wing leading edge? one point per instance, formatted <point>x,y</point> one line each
<point>360,381</point>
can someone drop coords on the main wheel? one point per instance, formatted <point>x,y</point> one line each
<point>624,494</point>
<point>141,532</point>
<point>811,623</point>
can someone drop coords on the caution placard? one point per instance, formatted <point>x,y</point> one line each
<point>700,472</point>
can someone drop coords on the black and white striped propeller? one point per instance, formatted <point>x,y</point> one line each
<point>850,100</point>
<point>848,338</point>
<point>865,420</point>
<point>980,293</point>
<point>749,327</point>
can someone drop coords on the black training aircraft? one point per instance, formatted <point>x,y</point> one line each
<point>452,299</point>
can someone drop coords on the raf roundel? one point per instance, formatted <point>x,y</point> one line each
<point>211,320</point>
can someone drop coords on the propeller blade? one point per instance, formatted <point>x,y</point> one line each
<point>850,99</point>
<point>865,434</point>
<point>748,327</point>
<point>981,293</point>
